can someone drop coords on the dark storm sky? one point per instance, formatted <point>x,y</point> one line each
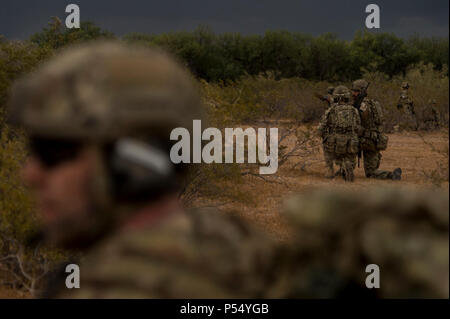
<point>19,18</point>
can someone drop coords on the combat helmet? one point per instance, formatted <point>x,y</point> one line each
<point>341,94</point>
<point>359,85</point>
<point>104,91</point>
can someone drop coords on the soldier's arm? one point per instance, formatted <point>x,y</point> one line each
<point>378,115</point>
<point>360,129</point>
<point>323,124</point>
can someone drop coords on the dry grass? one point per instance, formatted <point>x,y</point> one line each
<point>417,155</point>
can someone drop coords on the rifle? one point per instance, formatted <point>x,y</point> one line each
<point>322,97</point>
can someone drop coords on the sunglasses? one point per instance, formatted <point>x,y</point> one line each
<point>52,152</point>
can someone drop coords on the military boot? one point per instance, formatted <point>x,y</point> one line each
<point>330,173</point>
<point>397,174</point>
<point>348,175</point>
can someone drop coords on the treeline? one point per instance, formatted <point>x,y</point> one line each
<point>223,57</point>
<point>215,57</point>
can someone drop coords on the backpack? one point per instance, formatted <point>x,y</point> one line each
<point>344,121</point>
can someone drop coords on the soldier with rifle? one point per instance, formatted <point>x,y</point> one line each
<point>372,140</point>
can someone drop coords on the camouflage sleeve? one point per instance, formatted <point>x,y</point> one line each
<point>359,128</point>
<point>322,128</point>
<point>202,255</point>
<point>377,115</point>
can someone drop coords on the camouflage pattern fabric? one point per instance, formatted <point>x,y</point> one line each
<point>404,232</point>
<point>372,123</point>
<point>338,128</point>
<point>431,117</point>
<point>406,105</point>
<point>203,254</point>
<point>329,161</point>
<point>336,235</point>
<point>372,161</point>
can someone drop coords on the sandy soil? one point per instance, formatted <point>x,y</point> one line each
<point>419,156</point>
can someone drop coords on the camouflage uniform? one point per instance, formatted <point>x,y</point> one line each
<point>372,139</point>
<point>431,118</point>
<point>339,129</point>
<point>201,254</point>
<point>328,156</point>
<point>406,105</point>
<point>404,232</point>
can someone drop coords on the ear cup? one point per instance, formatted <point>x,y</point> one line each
<point>140,171</point>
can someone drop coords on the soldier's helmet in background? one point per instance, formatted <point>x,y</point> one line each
<point>359,85</point>
<point>341,93</point>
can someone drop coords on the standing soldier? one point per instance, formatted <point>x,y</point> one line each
<point>328,156</point>
<point>372,140</point>
<point>431,117</point>
<point>339,129</point>
<point>99,119</point>
<point>405,104</point>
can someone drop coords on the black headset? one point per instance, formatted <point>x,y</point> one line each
<point>140,170</point>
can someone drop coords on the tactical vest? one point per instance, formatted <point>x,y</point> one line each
<point>372,138</point>
<point>343,121</point>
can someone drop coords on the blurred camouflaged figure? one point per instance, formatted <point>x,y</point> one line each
<point>431,117</point>
<point>329,160</point>
<point>99,119</point>
<point>372,140</point>
<point>405,105</point>
<point>402,231</point>
<point>339,128</point>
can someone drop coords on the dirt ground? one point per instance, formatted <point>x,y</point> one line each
<point>422,156</point>
<point>6,293</point>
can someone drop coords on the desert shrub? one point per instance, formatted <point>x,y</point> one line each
<point>425,83</point>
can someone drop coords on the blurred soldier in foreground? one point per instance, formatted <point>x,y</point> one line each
<point>339,128</point>
<point>431,117</point>
<point>372,140</point>
<point>99,119</point>
<point>403,232</point>
<point>405,105</point>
